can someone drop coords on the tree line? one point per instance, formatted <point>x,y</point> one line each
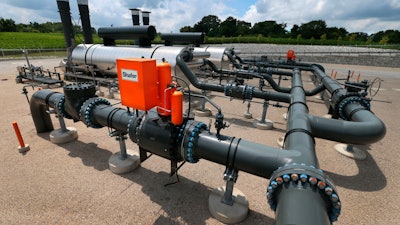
<point>212,26</point>
<point>9,25</point>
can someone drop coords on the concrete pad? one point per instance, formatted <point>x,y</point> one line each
<point>280,141</point>
<point>248,115</point>
<point>203,113</point>
<point>59,136</point>
<point>24,149</point>
<point>356,153</point>
<point>226,213</point>
<point>118,165</point>
<point>267,125</point>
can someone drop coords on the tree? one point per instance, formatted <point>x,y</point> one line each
<point>243,27</point>
<point>313,29</point>
<point>269,28</point>
<point>186,29</point>
<point>209,24</point>
<point>7,25</point>
<point>228,27</point>
<point>294,32</point>
<point>334,32</point>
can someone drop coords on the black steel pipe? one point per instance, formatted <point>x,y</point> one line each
<point>39,106</point>
<point>330,84</point>
<point>364,127</point>
<point>64,9</point>
<point>196,38</point>
<point>143,35</point>
<point>118,33</point>
<point>265,74</point>
<point>83,7</point>
<point>253,158</point>
<point>266,95</point>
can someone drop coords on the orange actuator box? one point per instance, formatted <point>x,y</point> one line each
<point>138,83</point>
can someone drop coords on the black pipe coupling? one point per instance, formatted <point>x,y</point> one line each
<point>86,111</point>
<point>307,177</point>
<point>244,92</point>
<point>189,139</point>
<point>342,98</point>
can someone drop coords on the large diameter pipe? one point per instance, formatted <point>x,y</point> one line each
<point>64,9</point>
<point>83,7</point>
<point>39,104</point>
<point>298,130</point>
<point>364,127</point>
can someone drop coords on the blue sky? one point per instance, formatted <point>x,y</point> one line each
<point>368,16</point>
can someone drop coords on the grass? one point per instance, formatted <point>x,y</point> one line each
<point>23,40</point>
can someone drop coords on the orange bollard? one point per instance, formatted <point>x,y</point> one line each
<point>358,77</point>
<point>334,76</point>
<point>176,108</point>
<point>332,72</point>
<point>22,148</point>
<point>352,73</point>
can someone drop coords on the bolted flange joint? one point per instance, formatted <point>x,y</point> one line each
<point>85,113</point>
<point>189,139</point>
<point>60,106</point>
<point>313,177</point>
<point>350,100</point>
<point>239,91</point>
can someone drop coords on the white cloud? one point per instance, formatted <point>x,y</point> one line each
<point>170,15</point>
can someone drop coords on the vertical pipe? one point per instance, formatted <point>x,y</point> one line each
<point>83,6</point>
<point>146,18</point>
<point>135,16</point>
<point>63,8</point>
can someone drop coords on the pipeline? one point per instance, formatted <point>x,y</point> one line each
<point>264,74</point>
<point>306,202</point>
<point>236,91</point>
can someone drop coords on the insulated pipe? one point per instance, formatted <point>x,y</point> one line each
<point>83,6</point>
<point>267,95</point>
<point>64,9</point>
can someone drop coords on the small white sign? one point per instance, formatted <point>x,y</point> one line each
<point>131,75</point>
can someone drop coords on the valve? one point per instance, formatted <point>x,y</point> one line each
<point>219,123</point>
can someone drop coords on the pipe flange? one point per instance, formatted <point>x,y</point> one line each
<point>85,113</point>
<point>349,100</point>
<point>228,90</point>
<point>194,131</point>
<point>61,108</point>
<point>248,92</point>
<point>315,178</point>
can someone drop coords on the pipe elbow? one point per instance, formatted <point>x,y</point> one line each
<point>38,106</point>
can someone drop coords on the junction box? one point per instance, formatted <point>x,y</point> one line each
<point>138,83</point>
